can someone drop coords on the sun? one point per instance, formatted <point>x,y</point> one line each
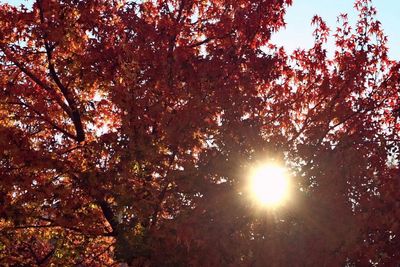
<point>269,184</point>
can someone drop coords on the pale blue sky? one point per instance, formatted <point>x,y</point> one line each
<point>298,32</point>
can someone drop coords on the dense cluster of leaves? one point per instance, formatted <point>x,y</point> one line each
<point>126,129</point>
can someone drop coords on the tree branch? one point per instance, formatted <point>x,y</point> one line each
<point>75,115</point>
<point>109,215</point>
<point>35,79</point>
<point>46,119</point>
<point>161,197</point>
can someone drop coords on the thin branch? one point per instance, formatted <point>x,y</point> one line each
<point>47,256</point>
<point>46,119</point>
<point>161,197</point>
<point>53,225</point>
<point>208,39</point>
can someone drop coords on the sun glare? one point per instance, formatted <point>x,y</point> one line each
<point>270,185</point>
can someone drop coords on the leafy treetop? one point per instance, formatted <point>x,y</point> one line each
<point>127,128</point>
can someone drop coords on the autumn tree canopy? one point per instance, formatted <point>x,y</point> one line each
<point>127,128</point>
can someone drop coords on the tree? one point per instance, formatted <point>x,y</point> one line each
<point>127,129</point>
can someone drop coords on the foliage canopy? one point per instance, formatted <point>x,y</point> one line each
<point>126,129</point>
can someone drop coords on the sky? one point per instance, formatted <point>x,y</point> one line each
<point>298,31</point>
